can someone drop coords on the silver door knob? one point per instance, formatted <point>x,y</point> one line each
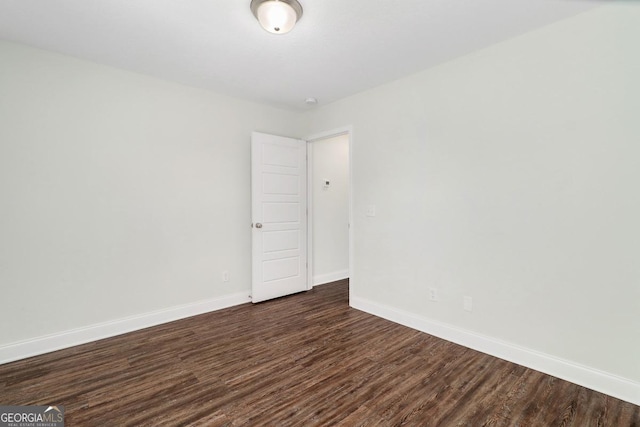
<point>258,225</point>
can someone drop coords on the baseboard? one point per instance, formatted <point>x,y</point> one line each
<point>585,376</point>
<point>321,279</point>
<point>70,338</point>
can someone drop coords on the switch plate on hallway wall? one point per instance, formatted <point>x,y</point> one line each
<point>467,303</point>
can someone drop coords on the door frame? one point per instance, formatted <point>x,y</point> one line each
<point>314,138</point>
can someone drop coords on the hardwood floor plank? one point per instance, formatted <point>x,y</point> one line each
<point>304,360</point>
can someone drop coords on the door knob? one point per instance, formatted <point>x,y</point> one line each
<point>258,225</point>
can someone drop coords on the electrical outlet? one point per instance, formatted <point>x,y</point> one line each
<point>433,294</point>
<point>371,210</point>
<point>467,303</point>
<point>225,276</point>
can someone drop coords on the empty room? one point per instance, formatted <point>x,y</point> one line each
<point>313,213</point>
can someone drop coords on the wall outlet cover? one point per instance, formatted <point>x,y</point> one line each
<point>371,210</point>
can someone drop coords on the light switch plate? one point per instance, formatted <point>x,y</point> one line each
<point>467,303</point>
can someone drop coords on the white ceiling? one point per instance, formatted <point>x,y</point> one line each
<point>338,48</point>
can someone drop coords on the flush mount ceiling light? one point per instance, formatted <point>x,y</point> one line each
<point>277,16</point>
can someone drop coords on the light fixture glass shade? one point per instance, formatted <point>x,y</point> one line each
<point>277,17</point>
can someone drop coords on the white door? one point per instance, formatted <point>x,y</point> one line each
<point>279,216</point>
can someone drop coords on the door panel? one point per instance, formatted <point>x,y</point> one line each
<point>281,241</point>
<point>279,215</point>
<point>280,184</point>
<point>282,268</point>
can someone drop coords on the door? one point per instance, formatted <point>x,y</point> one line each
<point>279,216</point>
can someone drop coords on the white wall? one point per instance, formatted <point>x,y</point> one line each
<point>120,194</point>
<point>510,175</point>
<point>330,210</point>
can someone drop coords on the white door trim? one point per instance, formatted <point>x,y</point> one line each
<point>309,214</point>
<point>344,130</point>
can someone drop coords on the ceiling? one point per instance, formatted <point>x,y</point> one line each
<point>338,48</point>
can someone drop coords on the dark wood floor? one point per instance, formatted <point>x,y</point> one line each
<point>303,360</point>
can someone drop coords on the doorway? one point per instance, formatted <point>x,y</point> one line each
<point>301,212</point>
<point>329,188</point>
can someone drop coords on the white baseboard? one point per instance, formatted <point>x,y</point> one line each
<point>321,279</point>
<point>585,376</point>
<point>45,344</point>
